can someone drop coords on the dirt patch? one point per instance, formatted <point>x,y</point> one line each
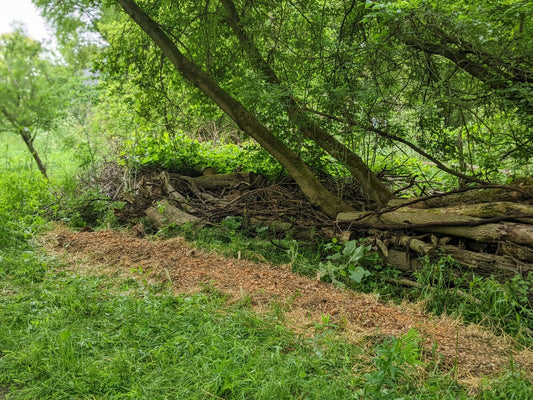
<point>474,351</point>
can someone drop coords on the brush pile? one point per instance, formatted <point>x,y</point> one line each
<point>488,230</point>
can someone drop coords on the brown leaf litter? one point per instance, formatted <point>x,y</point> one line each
<point>474,351</point>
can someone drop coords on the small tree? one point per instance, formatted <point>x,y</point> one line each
<point>30,88</point>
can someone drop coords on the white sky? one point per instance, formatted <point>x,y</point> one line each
<point>23,11</point>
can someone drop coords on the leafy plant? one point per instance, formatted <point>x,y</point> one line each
<point>180,153</point>
<point>347,264</point>
<point>393,359</point>
<point>502,306</point>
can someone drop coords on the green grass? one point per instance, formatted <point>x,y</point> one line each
<point>64,336</point>
<point>69,337</point>
<point>77,337</point>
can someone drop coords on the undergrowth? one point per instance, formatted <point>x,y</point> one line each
<point>179,153</point>
<point>503,307</point>
<point>64,336</point>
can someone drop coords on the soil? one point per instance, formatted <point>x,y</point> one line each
<point>474,352</point>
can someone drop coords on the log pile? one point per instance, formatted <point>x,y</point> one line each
<point>169,198</point>
<point>489,230</point>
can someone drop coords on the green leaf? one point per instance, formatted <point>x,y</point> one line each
<point>358,273</point>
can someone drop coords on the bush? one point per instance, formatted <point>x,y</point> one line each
<point>189,157</point>
<point>22,195</point>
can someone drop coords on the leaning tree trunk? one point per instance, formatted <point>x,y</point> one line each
<point>302,174</point>
<point>28,140</point>
<point>370,183</point>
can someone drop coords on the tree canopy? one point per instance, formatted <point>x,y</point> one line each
<point>355,83</point>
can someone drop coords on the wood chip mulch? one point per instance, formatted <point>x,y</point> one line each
<point>474,351</point>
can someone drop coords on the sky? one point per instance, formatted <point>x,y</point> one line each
<point>25,12</point>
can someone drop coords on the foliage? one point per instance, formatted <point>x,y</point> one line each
<point>180,153</point>
<point>503,307</point>
<point>31,89</point>
<point>21,195</point>
<point>233,238</point>
<point>30,84</point>
<point>79,206</point>
<point>449,78</point>
<point>394,362</point>
<point>346,265</point>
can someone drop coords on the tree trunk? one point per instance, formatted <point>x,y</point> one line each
<point>318,195</point>
<point>29,144</point>
<point>477,195</point>
<point>370,183</point>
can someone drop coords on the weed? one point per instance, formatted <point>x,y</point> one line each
<point>392,360</point>
<point>346,265</point>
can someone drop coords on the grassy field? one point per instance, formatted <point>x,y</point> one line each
<point>69,337</point>
<point>64,336</point>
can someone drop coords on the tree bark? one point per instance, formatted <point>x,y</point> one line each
<point>28,140</point>
<point>317,194</point>
<point>370,183</point>
<point>437,221</point>
<point>29,144</point>
<point>487,193</point>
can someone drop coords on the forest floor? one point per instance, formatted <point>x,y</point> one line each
<point>473,351</point>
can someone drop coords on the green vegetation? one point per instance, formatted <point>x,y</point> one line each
<point>64,336</point>
<point>415,97</point>
<point>182,154</point>
<point>503,307</point>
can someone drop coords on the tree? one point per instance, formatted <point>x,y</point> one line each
<point>314,190</point>
<point>362,80</point>
<point>29,90</point>
<point>368,180</point>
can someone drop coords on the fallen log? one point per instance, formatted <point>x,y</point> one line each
<point>216,182</point>
<point>504,266</point>
<point>488,210</point>
<point>475,195</point>
<point>437,221</point>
